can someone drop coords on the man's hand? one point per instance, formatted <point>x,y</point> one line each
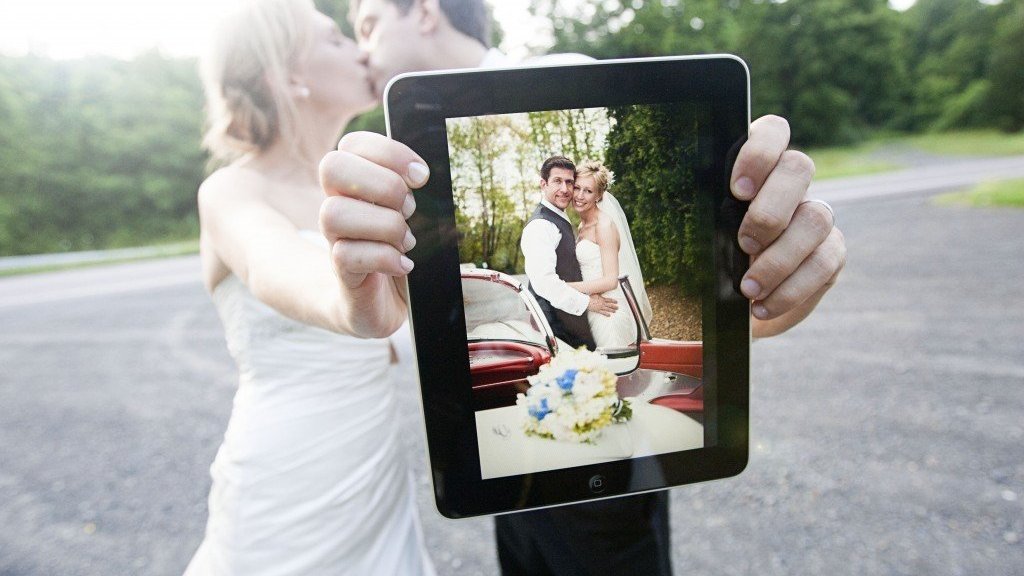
<point>796,251</point>
<point>601,305</point>
<point>368,182</point>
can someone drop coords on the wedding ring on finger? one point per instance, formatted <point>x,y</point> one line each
<point>827,206</point>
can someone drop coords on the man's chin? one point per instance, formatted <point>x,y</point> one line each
<point>377,85</point>
<point>378,91</point>
<point>380,82</point>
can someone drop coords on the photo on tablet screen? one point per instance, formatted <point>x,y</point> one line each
<point>562,216</point>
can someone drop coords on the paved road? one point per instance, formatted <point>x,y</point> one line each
<point>887,435</point>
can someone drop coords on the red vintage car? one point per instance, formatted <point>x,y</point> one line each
<point>510,339</point>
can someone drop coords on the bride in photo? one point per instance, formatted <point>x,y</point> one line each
<point>605,251</point>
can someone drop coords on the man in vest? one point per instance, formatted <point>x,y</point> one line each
<point>549,245</point>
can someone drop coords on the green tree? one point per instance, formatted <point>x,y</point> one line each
<point>653,152</point>
<point>1006,69</point>
<point>107,153</point>
<point>829,66</point>
<point>948,47</point>
<point>614,28</point>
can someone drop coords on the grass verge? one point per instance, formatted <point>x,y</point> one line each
<point>882,153</point>
<point>968,143</point>
<point>855,160</point>
<point>1008,193</point>
<point>146,253</point>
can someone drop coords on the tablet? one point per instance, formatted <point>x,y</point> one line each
<point>575,306</point>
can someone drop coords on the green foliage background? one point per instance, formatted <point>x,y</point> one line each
<point>837,69</point>
<point>654,153</point>
<point>99,152</point>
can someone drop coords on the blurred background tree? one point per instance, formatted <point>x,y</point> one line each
<point>837,69</point>
<point>99,152</point>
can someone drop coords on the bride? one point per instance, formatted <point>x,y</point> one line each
<point>605,251</point>
<point>310,478</point>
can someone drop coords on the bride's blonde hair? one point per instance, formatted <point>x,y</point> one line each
<point>245,76</point>
<point>601,175</point>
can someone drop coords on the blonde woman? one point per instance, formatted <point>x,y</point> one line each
<point>309,478</point>
<point>604,248</point>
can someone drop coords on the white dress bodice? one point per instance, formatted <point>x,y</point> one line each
<point>310,478</point>
<point>616,330</point>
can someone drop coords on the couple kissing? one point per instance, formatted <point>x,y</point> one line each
<point>574,274</point>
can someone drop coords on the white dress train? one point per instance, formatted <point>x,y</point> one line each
<point>310,478</point>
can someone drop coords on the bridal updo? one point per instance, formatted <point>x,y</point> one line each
<point>245,76</point>
<point>601,175</point>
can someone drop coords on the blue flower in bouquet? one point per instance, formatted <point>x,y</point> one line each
<point>567,379</point>
<point>572,398</point>
<point>540,410</point>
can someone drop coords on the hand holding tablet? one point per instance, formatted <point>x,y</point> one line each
<point>710,94</point>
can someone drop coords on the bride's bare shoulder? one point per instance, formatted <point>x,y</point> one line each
<point>231,183</point>
<point>606,227</point>
<point>219,196</point>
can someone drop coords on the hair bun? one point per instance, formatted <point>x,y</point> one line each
<point>251,121</point>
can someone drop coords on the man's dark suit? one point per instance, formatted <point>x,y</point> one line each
<point>621,536</point>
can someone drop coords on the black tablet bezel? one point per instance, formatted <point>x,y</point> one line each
<point>417,106</point>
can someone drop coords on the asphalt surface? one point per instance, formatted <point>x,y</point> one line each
<point>887,429</point>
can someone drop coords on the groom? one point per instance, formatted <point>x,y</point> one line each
<point>624,535</point>
<point>549,246</point>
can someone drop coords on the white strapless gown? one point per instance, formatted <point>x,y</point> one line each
<point>616,330</point>
<point>310,478</point>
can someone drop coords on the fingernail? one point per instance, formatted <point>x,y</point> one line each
<point>760,312</point>
<point>749,245</point>
<point>406,264</point>
<point>409,206</point>
<point>750,288</point>
<point>418,174</point>
<point>409,242</point>
<point>743,188</point>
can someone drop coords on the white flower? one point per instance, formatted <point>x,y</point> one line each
<point>572,398</point>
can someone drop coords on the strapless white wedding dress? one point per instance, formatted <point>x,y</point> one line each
<point>310,478</point>
<point>616,330</point>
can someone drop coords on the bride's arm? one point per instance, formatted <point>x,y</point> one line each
<point>608,242</point>
<point>264,250</point>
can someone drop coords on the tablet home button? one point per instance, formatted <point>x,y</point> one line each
<point>597,484</point>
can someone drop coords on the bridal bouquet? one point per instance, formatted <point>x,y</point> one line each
<point>572,398</point>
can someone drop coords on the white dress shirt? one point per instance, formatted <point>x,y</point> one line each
<point>539,244</point>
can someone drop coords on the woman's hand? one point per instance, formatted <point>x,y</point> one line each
<point>796,251</point>
<point>369,181</point>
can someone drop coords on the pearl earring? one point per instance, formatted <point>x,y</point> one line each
<point>303,91</point>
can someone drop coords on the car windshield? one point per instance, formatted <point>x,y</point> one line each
<point>495,311</point>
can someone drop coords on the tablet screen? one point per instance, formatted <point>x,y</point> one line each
<point>551,207</point>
